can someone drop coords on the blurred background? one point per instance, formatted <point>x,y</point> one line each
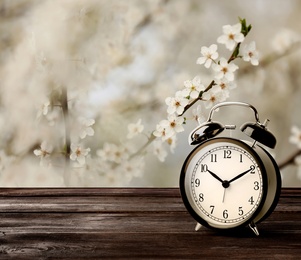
<point>114,63</point>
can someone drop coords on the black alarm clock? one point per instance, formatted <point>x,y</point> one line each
<point>228,183</point>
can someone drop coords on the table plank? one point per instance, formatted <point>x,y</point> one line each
<point>133,223</point>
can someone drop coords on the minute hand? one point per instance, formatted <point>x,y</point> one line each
<point>239,176</point>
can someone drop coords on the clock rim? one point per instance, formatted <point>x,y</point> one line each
<point>276,195</point>
<point>184,196</point>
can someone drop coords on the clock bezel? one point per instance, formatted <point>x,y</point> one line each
<point>185,193</point>
<point>274,184</point>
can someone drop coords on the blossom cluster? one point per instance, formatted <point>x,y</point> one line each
<point>124,161</point>
<point>217,90</point>
<point>81,130</point>
<point>295,137</point>
<point>110,159</point>
<point>113,81</point>
<point>117,161</point>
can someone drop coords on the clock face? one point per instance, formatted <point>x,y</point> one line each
<point>223,183</point>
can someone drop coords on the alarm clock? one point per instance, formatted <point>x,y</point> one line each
<point>228,183</point>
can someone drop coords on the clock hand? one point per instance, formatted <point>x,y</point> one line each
<point>224,194</point>
<point>239,175</point>
<point>215,176</point>
<point>225,184</point>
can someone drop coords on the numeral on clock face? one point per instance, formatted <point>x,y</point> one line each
<point>227,154</point>
<point>204,167</point>
<point>201,197</point>
<point>240,211</point>
<point>213,157</point>
<point>251,200</point>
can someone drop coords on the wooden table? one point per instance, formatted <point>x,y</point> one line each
<point>133,223</point>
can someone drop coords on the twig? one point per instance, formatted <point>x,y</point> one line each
<point>273,57</point>
<point>234,55</point>
<point>289,160</point>
<point>142,148</point>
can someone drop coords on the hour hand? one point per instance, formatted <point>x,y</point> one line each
<point>215,176</point>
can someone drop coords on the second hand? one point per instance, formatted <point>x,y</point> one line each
<point>224,195</point>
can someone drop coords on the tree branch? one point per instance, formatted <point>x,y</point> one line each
<point>64,101</point>
<point>64,104</point>
<point>289,160</point>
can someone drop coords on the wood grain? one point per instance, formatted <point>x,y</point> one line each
<point>131,224</point>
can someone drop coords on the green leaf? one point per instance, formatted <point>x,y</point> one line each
<point>249,27</point>
<point>245,29</point>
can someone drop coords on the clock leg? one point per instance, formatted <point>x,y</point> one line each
<point>254,228</point>
<point>198,227</point>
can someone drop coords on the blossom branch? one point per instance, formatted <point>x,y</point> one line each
<point>289,160</point>
<point>142,148</point>
<point>194,90</point>
<point>235,53</point>
<point>274,56</point>
<point>233,56</point>
<point>187,107</point>
<point>294,158</point>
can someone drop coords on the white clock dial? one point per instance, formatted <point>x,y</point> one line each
<point>224,183</point>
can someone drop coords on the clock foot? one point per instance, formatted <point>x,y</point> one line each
<point>198,227</point>
<point>254,228</point>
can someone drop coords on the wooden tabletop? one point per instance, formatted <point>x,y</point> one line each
<point>133,223</point>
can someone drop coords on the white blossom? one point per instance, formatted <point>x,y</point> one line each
<point>231,36</point>
<point>209,54</point>
<point>175,123</point>
<point>44,153</point>
<point>225,84</point>
<point>132,168</point>
<point>176,104</point>
<point>106,153</point>
<point>193,87</point>
<point>295,138</point>
<point>43,110</point>
<point>172,142</point>
<point>284,40</point>
<point>214,96</point>
<point>79,153</point>
<point>159,150</point>
<point>53,117</point>
<point>113,153</point>
<point>298,163</point>
<point>120,154</point>
<point>198,115</point>
<point>168,128</point>
<point>86,128</point>
<point>162,130</point>
<point>224,69</point>
<point>250,53</point>
<point>134,129</point>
